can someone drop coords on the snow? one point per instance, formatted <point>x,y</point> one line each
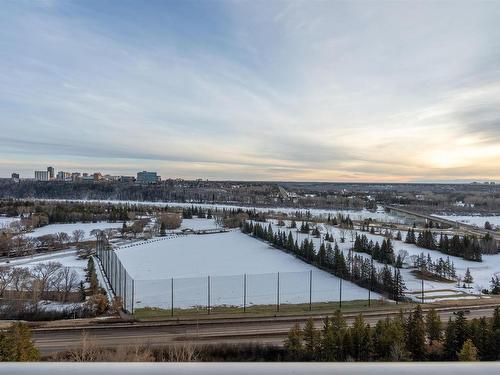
<point>198,224</point>
<point>225,257</point>
<point>69,228</point>
<point>6,221</point>
<point>481,272</point>
<point>473,219</point>
<point>379,215</point>
<point>67,258</point>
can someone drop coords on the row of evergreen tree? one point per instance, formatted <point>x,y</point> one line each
<point>414,338</point>
<point>354,268</point>
<point>200,212</point>
<point>467,247</point>
<point>382,253</point>
<point>439,267</point>
<point>340,219</point>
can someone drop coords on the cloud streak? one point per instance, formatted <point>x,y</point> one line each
<point>286,91</point>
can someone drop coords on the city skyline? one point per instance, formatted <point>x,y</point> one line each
<point>295,91</point>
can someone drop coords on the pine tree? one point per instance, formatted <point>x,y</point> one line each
<point>468,352</point>
<point>415,340</point>
<point>293,343</point>
<point>163,229</point>
<point>361,339</point>
<point>450,341</point>
<point>334,330</point>
<point>94,283</point>
<point>81,290</point>
<point>495,322</point>
<point>311,339</point>
<point>90,268</point>
<point>462,331</point>
<point>433,326</point>
<point>321,255</point>
<point>468,279</point>
<point>16,344</point>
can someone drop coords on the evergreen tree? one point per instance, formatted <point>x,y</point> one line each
<point>433,326</point>
<point>332,339</point>
<point>81,290</point>
<point>468,279</point>
<point>311,339</point>
<point>321,258</point>
<point>361,339</point>
<point>415,339</point>
<point>293,343</point>
<point>16,344</point>
<point>468,352</point>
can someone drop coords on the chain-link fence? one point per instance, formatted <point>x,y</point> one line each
<point>119,280</point>
<point>229,293</point>
<point>241,292</point>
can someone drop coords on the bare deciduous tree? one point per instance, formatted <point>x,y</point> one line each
<point>44,274</point>
<point>78,235</point>
<point>5,278</point>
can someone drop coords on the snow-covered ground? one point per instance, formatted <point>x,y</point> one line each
<point>67,258</point>
<point>225,257</point>
<point>482,272</point>
<point>379,214</point>
<point>69,228</point>
<point>473,219</point>
<point>6,221</point>
<point>198,224</point>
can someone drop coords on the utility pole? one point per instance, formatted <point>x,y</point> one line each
<point>340,294</point>
<point>278,294</point>
<point>310,289</point>
<point>245,292</point>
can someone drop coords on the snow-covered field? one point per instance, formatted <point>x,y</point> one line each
<point>225,257</point>
<point>198,224</point>
<point>69,228</point>
<point>67,258</point>
<point>482,272</point>
<point>379,214</point>
<point>473,219</point>
<point>6,221</point>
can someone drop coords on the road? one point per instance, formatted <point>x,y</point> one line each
<point>234,330</point>
<point>467,228</point>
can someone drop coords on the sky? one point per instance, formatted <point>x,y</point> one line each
<point>399,91</point>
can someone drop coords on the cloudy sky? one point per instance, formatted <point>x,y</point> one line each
<point>265,90</point>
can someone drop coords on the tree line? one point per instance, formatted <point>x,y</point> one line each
<point>417,337</point>
<point>354,268</point>
<point>465,246</point>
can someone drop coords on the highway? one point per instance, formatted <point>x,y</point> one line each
<point>223,330</point>
<point>467,228</point>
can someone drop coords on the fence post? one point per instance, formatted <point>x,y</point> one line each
<point>371,285</point>
<point>245,292</point>
<point>133,292</point>
<point>278,294</point>
<point>172,297</point>
<point>125,293</point>
<point>310,289</point>
<point>423,287</point>
<point>208,294</point>
<point>340,293</point>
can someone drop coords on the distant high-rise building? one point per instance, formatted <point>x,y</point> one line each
<point>50,172</point>
<point>63,176</point>
<point>41,175</point>
<point>15,177</point>
<point>147,177</point>
<point>127,179</point>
